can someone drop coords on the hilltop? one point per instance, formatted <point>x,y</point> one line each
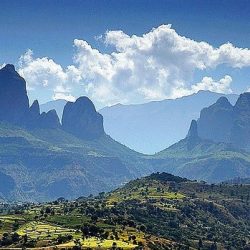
<point>160,211</point>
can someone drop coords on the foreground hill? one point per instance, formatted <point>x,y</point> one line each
<point>153,126</point>
<point>160,211</point>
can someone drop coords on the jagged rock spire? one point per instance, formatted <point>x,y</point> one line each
<point>193,130</point>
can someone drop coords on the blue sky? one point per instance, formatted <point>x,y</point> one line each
<point>49,29</point>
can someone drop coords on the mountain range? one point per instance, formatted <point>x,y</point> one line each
<point>223,122</point>
<point>198,158</point>
<point>43,157</point>
<point>133,125</point>
<point>153,126</point>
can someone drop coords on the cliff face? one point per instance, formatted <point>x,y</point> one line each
<point>240,133</point>
<point>81,119</point>
<point>14,102</point>
<point>222,122</point>
<point>216,121</point>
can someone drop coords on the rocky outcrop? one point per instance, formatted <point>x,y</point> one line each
<point>81,119</point>
<point>14,103</point>
<point>215,122</point>
<point>193,132</point>
<point>240,133</point>
<point>34,115</point>
<point>222,122</point>
<point>192,137</point>
<point>49,120</point>
<point>35,110</point>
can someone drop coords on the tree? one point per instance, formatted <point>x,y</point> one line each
<point>213,246</point>
<point>15,237</point>
<point>200,244</point>
<point>114,245</point>
<point>78,244</point>
<point>47,210</point>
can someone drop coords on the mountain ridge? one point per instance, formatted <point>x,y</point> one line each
<point>45,160</point>
<point>171,118</point>
<point>123,122</point>
<point>223,122</point>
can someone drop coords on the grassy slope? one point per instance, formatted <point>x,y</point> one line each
<point>204,160</point>
<point>52,163</point>
<point>49,159</point>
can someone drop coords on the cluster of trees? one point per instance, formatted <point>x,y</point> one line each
<point>14,238</point>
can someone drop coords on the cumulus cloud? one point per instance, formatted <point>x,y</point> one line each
<point>159,64</point>
<point>207,83</point>
<point>60,92</point>
<point>43,74</point>
<point>41,71</point>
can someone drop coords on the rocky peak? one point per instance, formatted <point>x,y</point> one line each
<point>35,108</point>
<point>81,119</point>
<point>32,120</point>
<point>215,122</point>
<point>193,130</point>
<point>192,137</point>
<point>223,102</point>
<point>240,133</point>
<point>9,67</point>
<point>14,103</point>
<point>49,120</point>
<point>243,102</point>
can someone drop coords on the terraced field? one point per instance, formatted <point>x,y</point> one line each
<point>39,230</point>
<point>10,222</point>
<point>94,242</point>
<point>153,191</point>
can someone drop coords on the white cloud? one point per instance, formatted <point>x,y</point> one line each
<point>159,64</point>
<point>43,74</point>
<point>41,71</point>
<point>207,83</point>
<point>60,92</point>
<point>67,97</point>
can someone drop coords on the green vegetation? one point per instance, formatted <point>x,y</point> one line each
<point>160,211</point>
<point>199,159</point>
<point>52,163</point>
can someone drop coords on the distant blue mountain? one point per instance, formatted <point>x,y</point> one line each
<point>58,105</point>
<point>153,126</point>
<point>223,122</point>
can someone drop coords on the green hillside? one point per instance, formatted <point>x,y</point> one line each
<point>49,163</point>
<point>196,158</point>
<point>160,211</point>
<point>44,164</point>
